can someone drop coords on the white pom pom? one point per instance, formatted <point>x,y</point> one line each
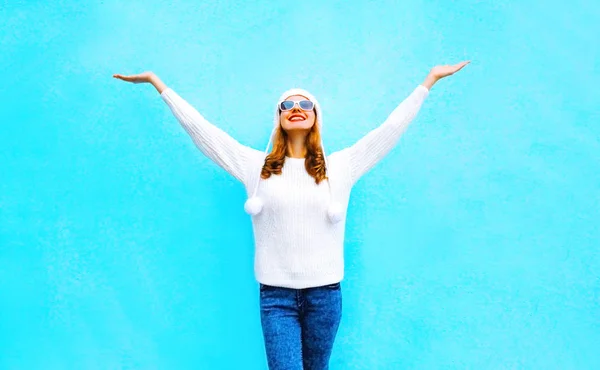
<point>253,206</point>
<point>335,212</point>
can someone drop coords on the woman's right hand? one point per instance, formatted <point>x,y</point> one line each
<point>144,77</point>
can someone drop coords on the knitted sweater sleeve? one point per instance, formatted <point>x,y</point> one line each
<point>370,149</point>
<point>211,140</point>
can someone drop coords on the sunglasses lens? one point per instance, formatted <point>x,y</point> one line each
<point>306,105</point>
<point>286,105</point>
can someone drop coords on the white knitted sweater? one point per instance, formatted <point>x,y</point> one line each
<point>295,244</point>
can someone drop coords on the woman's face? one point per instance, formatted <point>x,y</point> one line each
<point>296,118</point>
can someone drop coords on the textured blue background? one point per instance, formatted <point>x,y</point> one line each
<point>473,245</point>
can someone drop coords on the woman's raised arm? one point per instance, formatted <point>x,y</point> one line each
<point>371,148</point>
<point>211,140</point>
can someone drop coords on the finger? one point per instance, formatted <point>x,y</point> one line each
<point>462,65</point>
<point>458,67</point>
<point>125,78</point>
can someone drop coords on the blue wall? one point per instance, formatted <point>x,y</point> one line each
<point>473,245</point>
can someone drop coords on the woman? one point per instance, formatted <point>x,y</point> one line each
<point>298,198</point>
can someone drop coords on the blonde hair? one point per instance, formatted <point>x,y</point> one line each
<point>314,162</point>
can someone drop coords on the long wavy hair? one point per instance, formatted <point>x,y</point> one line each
<point>314,162</point>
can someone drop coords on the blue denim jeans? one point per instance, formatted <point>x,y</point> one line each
<point>300,325</point>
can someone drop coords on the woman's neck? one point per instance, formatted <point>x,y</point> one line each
<point>296,146</point>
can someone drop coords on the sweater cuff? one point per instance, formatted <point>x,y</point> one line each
<point>166,93</point>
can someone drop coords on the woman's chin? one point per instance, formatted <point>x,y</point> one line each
<point>297,126</point>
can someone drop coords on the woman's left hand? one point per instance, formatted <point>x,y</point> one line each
<point>439,72</point>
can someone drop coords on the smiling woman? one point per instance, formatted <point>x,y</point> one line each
<point>296,134</point>
<point>297,112</point>
<point>298,202</point>
<point>296,129</point>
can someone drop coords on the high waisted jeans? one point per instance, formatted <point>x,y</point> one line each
<point>299,325</point>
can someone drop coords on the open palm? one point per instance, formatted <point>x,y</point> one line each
<point>447,70</point>
<point>137,78</point>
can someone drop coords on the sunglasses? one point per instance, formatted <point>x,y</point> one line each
<point>305,105</point>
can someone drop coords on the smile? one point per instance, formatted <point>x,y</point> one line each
<point>295,118</point>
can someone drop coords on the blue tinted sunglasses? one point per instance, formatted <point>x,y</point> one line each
<point>305,105</point>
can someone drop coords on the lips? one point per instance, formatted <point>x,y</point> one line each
<point>296,117</point>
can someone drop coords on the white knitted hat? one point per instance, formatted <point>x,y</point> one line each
<point>254,204</point>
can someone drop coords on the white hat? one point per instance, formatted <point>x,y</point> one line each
<point>254,204</point>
